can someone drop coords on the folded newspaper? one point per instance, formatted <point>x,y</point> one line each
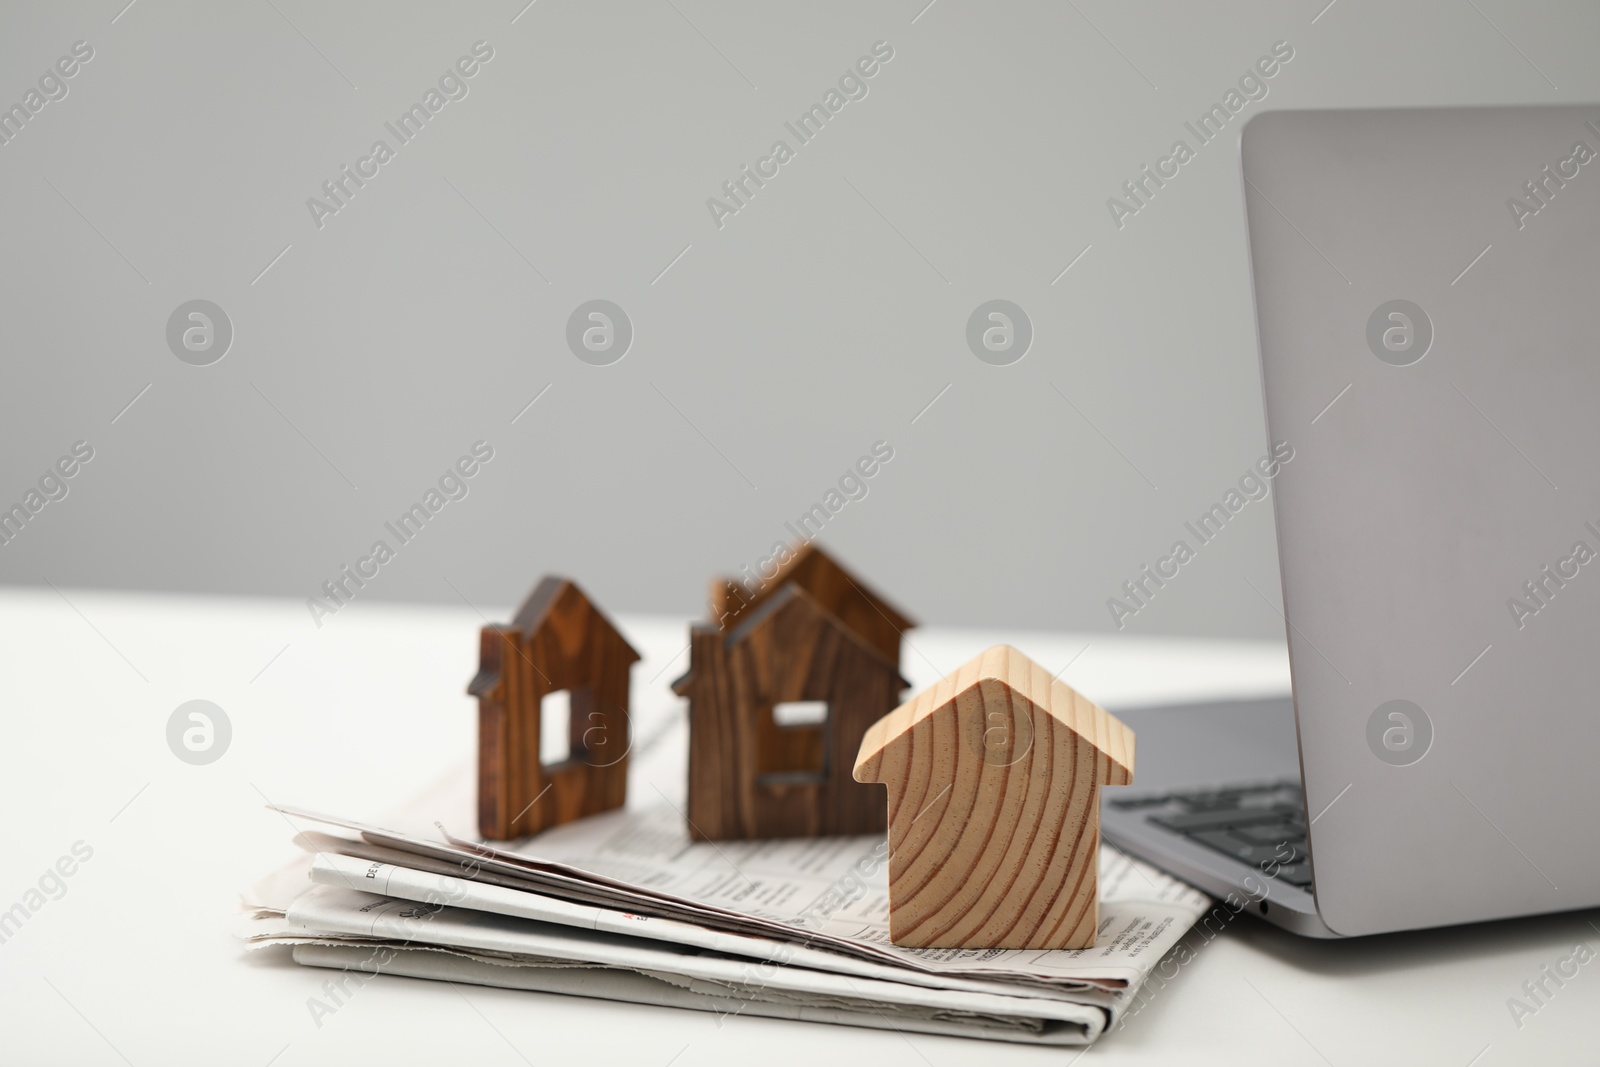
<point>624,906</point>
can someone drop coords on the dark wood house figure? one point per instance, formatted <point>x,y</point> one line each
<point>780,696</point>
<point>558,642</point>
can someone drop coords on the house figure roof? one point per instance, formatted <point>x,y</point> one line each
<point>559,600</point>
<point>834,587</point>
<point>788,625</point>
<point>871,621</point>
<point>1003,665</point>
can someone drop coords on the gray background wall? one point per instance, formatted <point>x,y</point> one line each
<point>823,317</point>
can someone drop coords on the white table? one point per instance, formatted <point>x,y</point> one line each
<point>135,962</point>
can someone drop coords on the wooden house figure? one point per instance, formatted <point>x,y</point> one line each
<point>994,777</point>
<point>559,641</point>
<point>813,639</point>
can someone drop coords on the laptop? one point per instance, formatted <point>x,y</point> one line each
<point>1426,292</point>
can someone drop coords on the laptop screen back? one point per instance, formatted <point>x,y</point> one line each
<point>1427,287</point>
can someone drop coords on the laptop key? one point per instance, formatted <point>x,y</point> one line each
<point>1296,874</point>
<point>1263,857</point>
<point>1217,820</point>
<point>1271,834</point>
<point>1282,855</point>
<point>1228,845</point>
<point>1133,803</point>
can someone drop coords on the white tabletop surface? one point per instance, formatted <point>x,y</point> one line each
<point>135,961</point>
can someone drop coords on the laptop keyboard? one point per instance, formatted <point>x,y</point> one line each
<point>1262,825</point>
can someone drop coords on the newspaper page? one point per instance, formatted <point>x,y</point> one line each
<point>824,892</point>
<point>341,912</point>
<point>329,909</point>
<point>669,992</point>
<point>836,890</point>
<point>403,883</point>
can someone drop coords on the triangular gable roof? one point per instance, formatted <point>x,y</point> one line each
<point>1027,679</point>
<point>556,593</point>
<point>840,592</point>
<point>792,598</point>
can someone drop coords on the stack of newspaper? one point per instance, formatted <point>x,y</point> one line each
<point>624,906</point>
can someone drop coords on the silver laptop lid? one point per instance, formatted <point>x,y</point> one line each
<point>1427,285</point>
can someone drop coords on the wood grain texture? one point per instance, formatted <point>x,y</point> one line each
<point>750,777</point>
<point>558,641</point>
<point>994,777</point>
<point>840,593</point>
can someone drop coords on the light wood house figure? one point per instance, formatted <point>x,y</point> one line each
<point>994,777</point>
